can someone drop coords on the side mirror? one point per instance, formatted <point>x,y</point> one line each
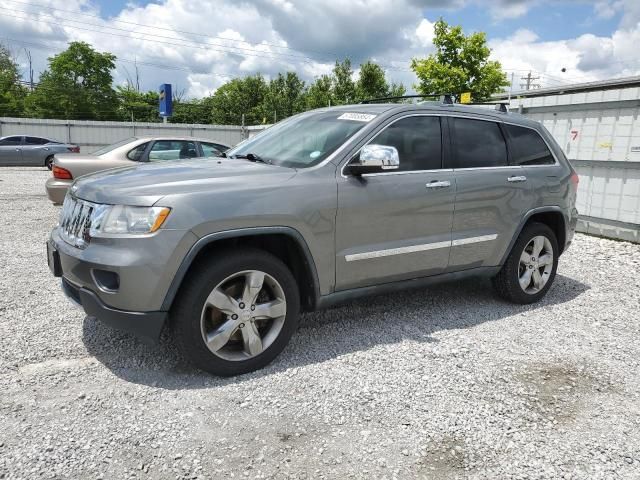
<point>374,158</point>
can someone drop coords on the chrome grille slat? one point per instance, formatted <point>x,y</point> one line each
<point>75,221</point>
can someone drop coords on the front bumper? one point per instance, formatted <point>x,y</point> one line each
<point>144,268</point>
<point>144,325</point>
<point>57,189</point>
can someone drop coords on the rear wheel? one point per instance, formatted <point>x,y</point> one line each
<point>531,266</point>
<point>49,162</point>
<point>236,313</point>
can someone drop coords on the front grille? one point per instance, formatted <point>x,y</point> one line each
<point>75,221</point>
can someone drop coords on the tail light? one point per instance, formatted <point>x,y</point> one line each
<point>575,179</point>
<point>74,149</point>
<point>61,173</point>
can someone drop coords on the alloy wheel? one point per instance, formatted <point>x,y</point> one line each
<point>243,315</point>
<point>536,264</point>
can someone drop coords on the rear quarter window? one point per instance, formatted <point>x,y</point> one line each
<point>527,147</point>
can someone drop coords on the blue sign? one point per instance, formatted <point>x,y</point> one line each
<point>166,102</point>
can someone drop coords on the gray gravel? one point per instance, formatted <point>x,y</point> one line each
<point>445,382</point>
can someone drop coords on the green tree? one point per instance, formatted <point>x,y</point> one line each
<point>237,97</point>
<point>77,85</point>
<point>320,93</point>
<point>372,83</point>
<point>137,106</point>
<point>344,88</point>
<point>285,96</point>
<point>12,93</point>
<point>460,64</point>
<point>192,111</point>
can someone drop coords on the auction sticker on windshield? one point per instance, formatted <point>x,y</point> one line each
<point>358,117</point>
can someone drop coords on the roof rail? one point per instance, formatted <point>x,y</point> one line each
<point>499,106</point>
<point>445,98</point>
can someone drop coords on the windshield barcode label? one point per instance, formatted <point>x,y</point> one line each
<point>358,117</point>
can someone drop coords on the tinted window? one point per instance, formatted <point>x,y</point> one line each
<point>136,153</point>
<point>35,141</point>
<point>11,141</point>
<point>211,149</point>
<point>477,143</point>
<point>418,141</point>
<point>172,150</point>
<point>527,147</point>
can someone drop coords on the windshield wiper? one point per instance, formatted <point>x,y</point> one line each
<point>252,157</point>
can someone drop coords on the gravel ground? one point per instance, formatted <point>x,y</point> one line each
<point>445,382</point>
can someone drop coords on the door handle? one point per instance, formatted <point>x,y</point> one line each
<point>443,184</point>
<point>17,149</point>
<point>518,178</point>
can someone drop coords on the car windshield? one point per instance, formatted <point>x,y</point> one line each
<point>113,146</point>
<point>304,140</point>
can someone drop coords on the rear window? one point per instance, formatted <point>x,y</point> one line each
<point>35,141</point>
<point>528,147</point>
<point>477,143</point>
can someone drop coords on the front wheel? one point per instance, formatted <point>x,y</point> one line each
<point>531,266</point>
<point>236,312</point>
<point>49,162</point>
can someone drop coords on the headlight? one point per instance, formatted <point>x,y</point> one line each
<point>108,220</point>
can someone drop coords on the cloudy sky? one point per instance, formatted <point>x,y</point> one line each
<point>199,44</point>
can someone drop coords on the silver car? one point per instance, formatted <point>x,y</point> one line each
<point>126,153</point>
<point>324,207</point>
<point>32,151</point>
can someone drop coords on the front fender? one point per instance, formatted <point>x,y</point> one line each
<point>237,233</point>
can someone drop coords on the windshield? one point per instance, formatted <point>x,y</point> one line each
<point>113,146</point>
<point>304,140</point>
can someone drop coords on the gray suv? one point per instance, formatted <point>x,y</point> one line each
<point>321,208</point>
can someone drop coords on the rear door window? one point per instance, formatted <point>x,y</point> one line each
<point>35,141</point>
<point>418,140</point>
<point>477,143</point>
<point>527,147</point>
<point>172,150</point>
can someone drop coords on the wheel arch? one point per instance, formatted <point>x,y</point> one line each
<point>285,243</point>
<point>552,216</point>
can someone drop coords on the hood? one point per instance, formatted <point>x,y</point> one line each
<point>147,183</point>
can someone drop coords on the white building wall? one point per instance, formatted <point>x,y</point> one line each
<point>598,131</point>
<point>90,135</point>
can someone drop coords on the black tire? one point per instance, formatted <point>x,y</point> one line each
<point>506,282</point>
<point>187,309</point>
<point>49,162</point>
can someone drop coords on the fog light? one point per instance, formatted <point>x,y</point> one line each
<point>106,281</point>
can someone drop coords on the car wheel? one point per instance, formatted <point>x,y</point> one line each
<point>531,266</point>
<point>236,312</point>
<point>49,162</point>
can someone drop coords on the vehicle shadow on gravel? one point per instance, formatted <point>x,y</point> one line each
<point>388,319</point>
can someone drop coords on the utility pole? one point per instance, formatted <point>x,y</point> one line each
<point>510,88</point>
<point>28,52</point>
<point>528,85</point>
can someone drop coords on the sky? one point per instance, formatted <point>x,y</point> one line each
<point>197,45</point>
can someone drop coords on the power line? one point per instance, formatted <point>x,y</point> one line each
<point>174,42</point>
<point>189,44</point>
<point>156,27</point>
<point>528,79</point>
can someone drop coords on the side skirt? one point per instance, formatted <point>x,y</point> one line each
<point>343,296</point>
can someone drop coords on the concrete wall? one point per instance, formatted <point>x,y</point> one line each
<point>90,135</point>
